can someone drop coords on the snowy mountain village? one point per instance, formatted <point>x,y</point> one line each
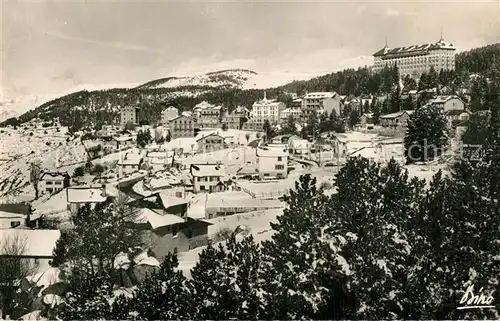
<point>212,211</point>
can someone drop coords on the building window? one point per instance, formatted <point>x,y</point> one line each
<point>280,159</point>
<point>48,183</point>
<point>37,261</point>
<point>15,224</point>
<point>202,187</point>
<point>279,166</point>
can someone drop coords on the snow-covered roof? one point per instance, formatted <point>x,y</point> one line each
<point>443,99</point>
<point>202,170</point>
<point>122,138</point>
<point>271,152</point>
<point>396,115</point>
<point>355,137</point>
<point>299,143</point>
<point>243,202</point>
<point>267,102</point>
<point>11,215</point>
<point>366,152</point>
<point>413,50</point>
<point>85,195</point>
<point>171,108</point>
<point>367,115</point>
<point>320,95</point>
<point>53,175</point>
<point>209,135</point>
<point>130,160</point>
<point>169,200</point>
<point>203,105</point>
<point>182,116</point>
<point>39,243</point>
<point>157,220</point>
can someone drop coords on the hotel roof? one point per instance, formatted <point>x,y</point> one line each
<point>413,50</point>
<point>317,95</point>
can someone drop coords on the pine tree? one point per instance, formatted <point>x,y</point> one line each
<point>164,295</point>
<point>299,279</point>
<point>226,281</point>
<point>373,208</point>
<point>426,137</point>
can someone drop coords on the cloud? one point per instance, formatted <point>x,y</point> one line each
<point>112,44</point>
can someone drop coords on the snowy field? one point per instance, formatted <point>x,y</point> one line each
<point>257,222</point>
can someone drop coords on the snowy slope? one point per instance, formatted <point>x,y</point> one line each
<point>232,78</point>
<point>16,106</point>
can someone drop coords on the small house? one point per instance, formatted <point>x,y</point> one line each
<point>211,142</point>
<point>272,162</point>
<point>79,196</point>
<point>53,182</point>
<point>206,177</point>
<point>34,247</point>
<point>398,119</point>
<point>224,206</point>
<point>130,163</point>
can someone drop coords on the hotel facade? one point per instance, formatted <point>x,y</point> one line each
<point>417,59</point>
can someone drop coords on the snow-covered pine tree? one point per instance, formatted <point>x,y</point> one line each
<point>299,267</point>
<point>225,281</point>
<point>371,216</point>
<point>426,137</point>
<point>164,295</point>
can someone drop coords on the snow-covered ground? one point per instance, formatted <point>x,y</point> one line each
<point>258,222</point>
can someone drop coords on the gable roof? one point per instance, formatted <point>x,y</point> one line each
<point>398,114</point>
<point>181,116</point>
<point>271,152</point>
<point>202,170</point>
<point>38,243</point>
<point>55,174</point>
<point>443,99</point>
<point>156,219</point>
<point>212,134</point>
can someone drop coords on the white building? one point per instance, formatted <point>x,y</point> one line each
<point>272,162</point>
<point>296,113</point>
<point>37,249</point>
<point>223,206</point>
<point>207,177</point>
<point>208,115</point>
<point>267,109</point>
<point>168,114</point>
<point>129,114</point>
<point>53,182</point>
<point>79,196</point>
<point>416,59</point>
<point>320,102</point>
<point>129,163</point>
<point>447,103</point>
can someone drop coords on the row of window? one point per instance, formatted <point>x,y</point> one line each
<point>208,179</point>
<point>55,183</point>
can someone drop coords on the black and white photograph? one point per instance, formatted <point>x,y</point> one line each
<point>249,160</point>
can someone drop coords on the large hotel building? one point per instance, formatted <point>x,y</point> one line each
<point>416,59</point>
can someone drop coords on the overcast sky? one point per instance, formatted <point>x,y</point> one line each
<point>53,46</point>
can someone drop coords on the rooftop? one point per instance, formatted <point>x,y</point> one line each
<point>54,175</point>
<point>38,243</point>
<point>443,99</point>
<point>317,95</point>
<point>413,50</point>
<point>271,152</point>
<point>85,195</point>
<point>396,115</point>
<point>218,201</point>
<point>202,170</point>
<point>157,220</point>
